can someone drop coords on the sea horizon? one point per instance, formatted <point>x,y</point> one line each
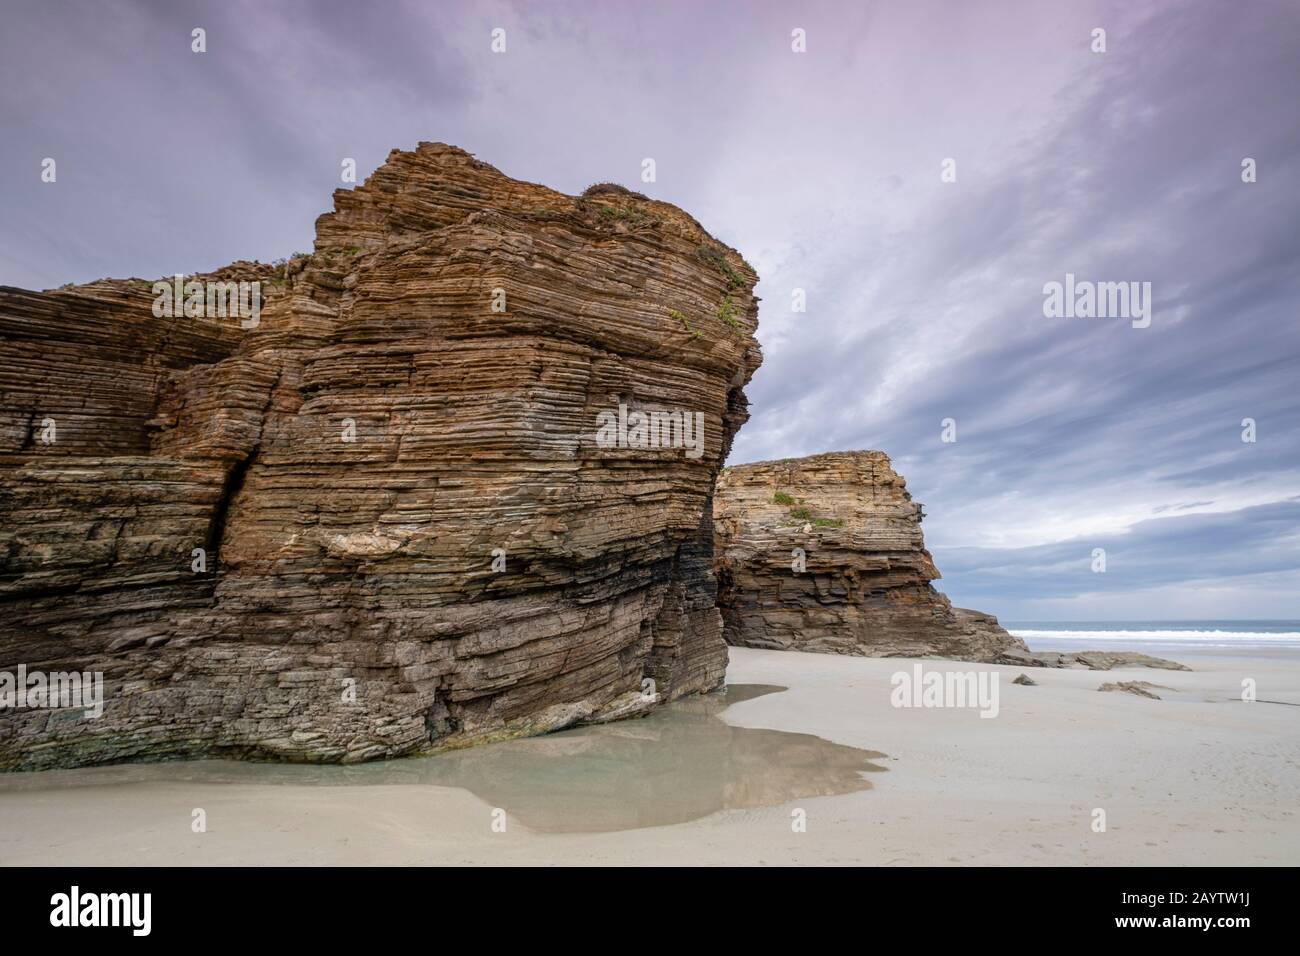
<point>1197,634</point>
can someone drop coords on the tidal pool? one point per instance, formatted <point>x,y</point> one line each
<point>679,763</point>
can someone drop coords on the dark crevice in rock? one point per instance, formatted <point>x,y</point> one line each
<point>230,489</point>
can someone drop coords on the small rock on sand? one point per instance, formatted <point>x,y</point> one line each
<point>1140,687</point>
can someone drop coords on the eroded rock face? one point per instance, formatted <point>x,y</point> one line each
<point>350,608</point>
<point>846,521</point>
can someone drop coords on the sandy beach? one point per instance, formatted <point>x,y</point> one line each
<point>1197,777</point>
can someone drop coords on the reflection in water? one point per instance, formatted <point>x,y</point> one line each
<point>679,763</point>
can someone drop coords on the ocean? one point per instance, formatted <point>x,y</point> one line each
<point>1216,637</point>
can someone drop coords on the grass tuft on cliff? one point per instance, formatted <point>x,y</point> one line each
<point>674,314</point>
<point>727,313</point>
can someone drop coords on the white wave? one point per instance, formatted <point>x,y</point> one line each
<point>1187,637</point>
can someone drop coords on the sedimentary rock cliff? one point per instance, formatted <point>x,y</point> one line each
<point>825,554</point>
<point>413,535</point>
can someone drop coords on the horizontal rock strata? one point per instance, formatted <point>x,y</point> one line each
<point>413,537</point>
<point>825,553</point>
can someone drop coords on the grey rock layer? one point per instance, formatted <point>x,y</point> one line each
<point>1093,660</point>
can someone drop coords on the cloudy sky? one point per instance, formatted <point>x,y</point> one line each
<point>924,297</point>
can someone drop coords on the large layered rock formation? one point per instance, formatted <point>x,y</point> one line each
<point>472,564</point>
<point>825,554</point>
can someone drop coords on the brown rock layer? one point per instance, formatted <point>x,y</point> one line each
<point>350,608</point>
<point>825,553</point>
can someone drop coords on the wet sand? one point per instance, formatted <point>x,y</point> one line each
<point>1198,777</point>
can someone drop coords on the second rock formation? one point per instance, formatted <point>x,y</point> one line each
<point>825,553</point>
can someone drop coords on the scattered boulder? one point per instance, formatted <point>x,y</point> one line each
<point>1107,660</point>
<point>1025,680</point>
<point>1139,687</point>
